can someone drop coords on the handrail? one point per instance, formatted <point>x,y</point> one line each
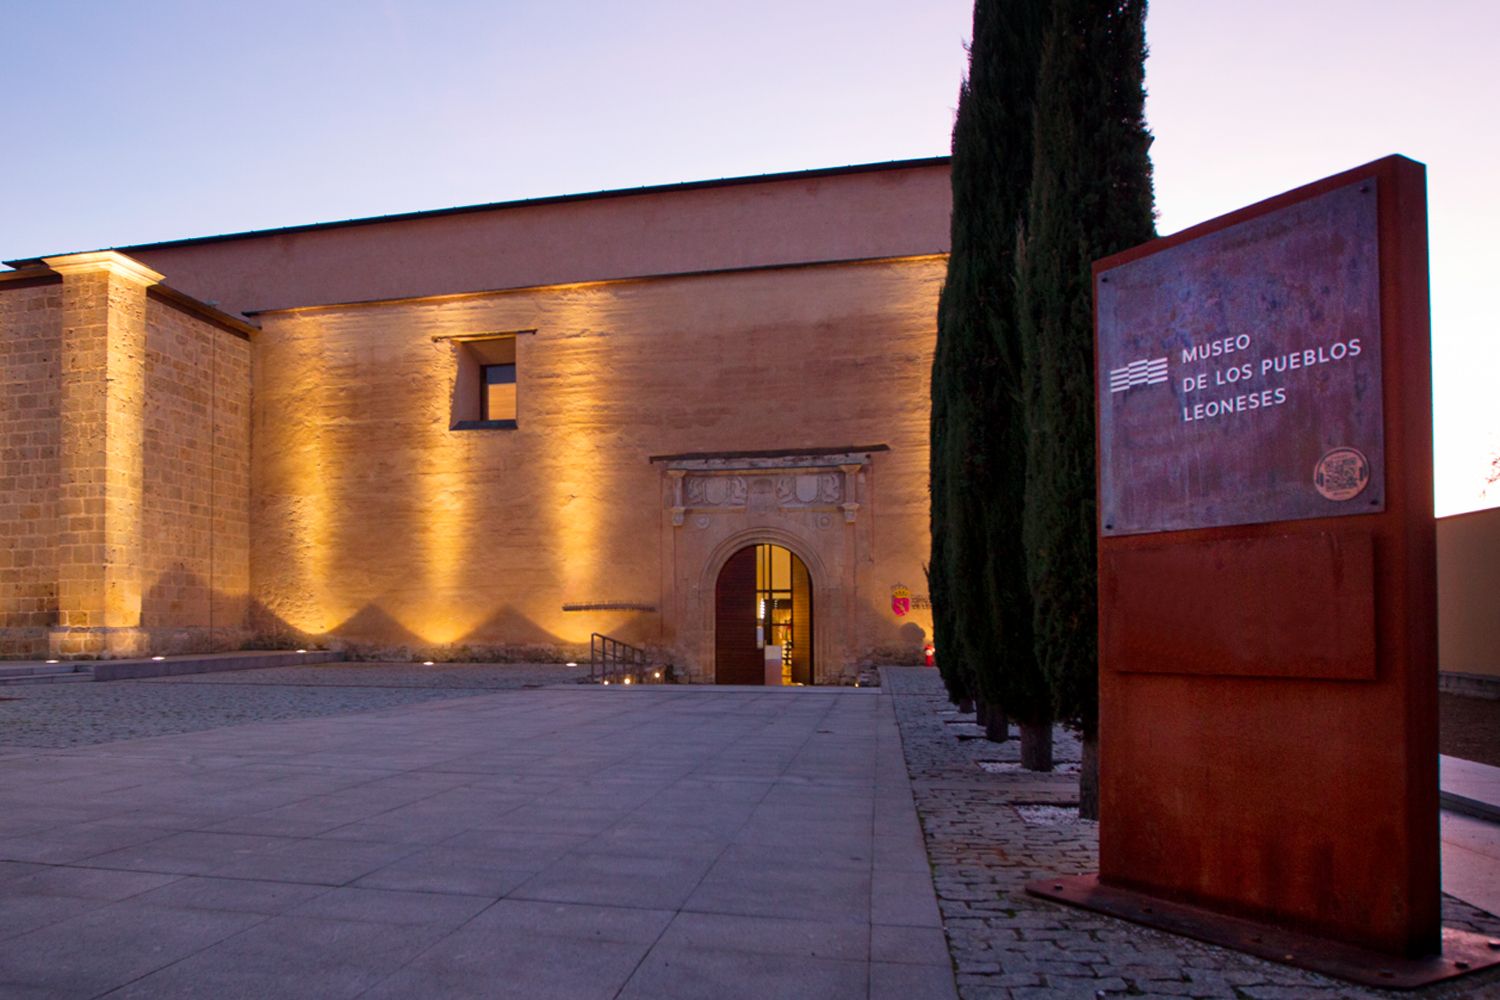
<point>614,662</point>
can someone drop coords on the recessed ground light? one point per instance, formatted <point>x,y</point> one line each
<point>51,661</point>
<point>570,663</point>
<point>301,650</point>
<point>158,657</point>
<point>426,663</point>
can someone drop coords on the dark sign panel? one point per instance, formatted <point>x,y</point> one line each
<point>1239,373</point>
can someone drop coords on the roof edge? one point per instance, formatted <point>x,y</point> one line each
<point>560,199</point>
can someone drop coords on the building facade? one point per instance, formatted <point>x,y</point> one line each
<point>693,418</point>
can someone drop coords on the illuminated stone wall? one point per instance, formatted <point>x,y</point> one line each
<point>376,525</point>
<point>124,467</point>
<point>196,495</point>
<point>101,458</point>
<point>30,341</point>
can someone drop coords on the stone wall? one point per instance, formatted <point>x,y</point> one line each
<point>30,342</point>
<point>376,525</point>
<point>196,496</point>
<point>124,466</point>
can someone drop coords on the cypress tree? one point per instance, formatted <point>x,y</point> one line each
<point>979,441</point>
<point>949,663</point>
<point>1090,197</point>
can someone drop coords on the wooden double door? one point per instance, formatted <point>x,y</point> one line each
<point>763,599</point>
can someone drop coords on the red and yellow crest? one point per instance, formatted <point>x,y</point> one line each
<point>900,599</point>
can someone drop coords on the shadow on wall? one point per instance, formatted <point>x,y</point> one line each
<point>372,633</point>
<point>180,613</point>
<point>901,646</point>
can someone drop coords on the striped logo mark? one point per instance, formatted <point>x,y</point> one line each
<point>1147,371</point>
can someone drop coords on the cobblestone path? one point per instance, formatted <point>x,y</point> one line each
<point>992,829</point>
<point>53,716</point>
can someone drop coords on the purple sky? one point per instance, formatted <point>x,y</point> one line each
<point>134,122</point>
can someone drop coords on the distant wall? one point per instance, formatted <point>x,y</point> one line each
<point>1469,593</point>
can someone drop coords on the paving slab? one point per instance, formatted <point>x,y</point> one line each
<point>1471,860</point>
<point>531,842</point>
<point>1470,787</point>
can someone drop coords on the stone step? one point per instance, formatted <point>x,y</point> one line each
<point>37,672</point>
<point>1470,788</point>
<point>207,663</point>
<point>45,673</point>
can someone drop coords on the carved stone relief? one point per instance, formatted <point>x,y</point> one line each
<point>716,491</point>
<point>706,487</point>
<point>808,489</point>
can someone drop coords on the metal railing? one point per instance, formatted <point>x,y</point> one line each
<point>614,662</point>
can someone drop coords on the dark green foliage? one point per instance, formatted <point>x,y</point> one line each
<point>1090,197</point>
<point>982,614</point>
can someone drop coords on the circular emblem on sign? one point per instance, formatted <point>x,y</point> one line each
<point>1342,474</point>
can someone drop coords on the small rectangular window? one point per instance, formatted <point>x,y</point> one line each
<point>484,392</point>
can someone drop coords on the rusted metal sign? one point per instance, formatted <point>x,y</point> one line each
<point>1239,373</point>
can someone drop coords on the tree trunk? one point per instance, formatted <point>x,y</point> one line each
<point>966,706</point>
<point>996,725</point>
<point>1036,746</point>
<point>981,711</point>
<point>1088,779</point>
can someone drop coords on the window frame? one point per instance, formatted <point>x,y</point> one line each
<point>474,355</point>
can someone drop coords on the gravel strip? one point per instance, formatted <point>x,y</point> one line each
<point>990,833</point>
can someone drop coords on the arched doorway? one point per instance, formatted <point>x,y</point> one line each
<point>763,599</point>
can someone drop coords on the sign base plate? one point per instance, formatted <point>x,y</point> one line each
<point>1464,952</point>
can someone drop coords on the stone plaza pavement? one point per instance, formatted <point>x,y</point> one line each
<point>991,828</point>
<point>560,842</point>
<point>389,830</point>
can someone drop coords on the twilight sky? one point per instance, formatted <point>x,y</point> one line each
<point>131,121</point>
